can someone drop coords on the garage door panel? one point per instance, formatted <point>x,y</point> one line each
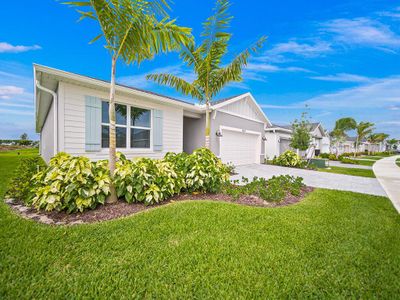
<point>239,148</point>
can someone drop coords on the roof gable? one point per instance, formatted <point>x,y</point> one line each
<point>243,105</point>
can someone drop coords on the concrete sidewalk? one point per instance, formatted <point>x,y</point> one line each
<point>333,163</point>
<point>388,175</point>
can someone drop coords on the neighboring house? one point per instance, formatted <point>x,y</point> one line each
<point>279,138</point>
<point>71,114</point>
<point>348,146</point>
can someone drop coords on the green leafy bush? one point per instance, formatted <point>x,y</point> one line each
<point>20,185</point>
<point>71,184</point>
<point>289,159</point>
<point>146,180</point>
<point>274,189</point>
<point>346,160</point>
<point>324,155</point>
<point>205,172</point>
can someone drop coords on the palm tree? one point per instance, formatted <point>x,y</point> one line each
<point>376,138</point>
<point>392,143</point>
<point>132,32</point>
<point>206,60</point>
<point>362,129</point>
<point>342,126</point>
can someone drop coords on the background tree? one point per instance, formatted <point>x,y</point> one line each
<point>376,138</point>
<point>24,137</point>
<point>363,129</point>
<point>339,133</point>
<point>206,61</point>
<point>133,30</point>
<point>392,144</point>
<point>301,136</point>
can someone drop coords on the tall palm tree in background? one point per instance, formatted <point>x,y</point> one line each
<point>376,138</point>
<point>363,129</point>
<point>392,144</point>
<point>342,126</point>
<point>134,30</point>
<point>206,60</point>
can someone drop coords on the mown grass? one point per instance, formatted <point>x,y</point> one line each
<point>349,171</point>
<point>331,245</point>
<point>363,162</point>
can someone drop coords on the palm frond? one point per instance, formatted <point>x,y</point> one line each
<point>215,26</point>
<point>177,83</point>
<point>233,72</point>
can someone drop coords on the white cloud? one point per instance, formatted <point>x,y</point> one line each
<point>269,68</point>
<point>8,91</point>
<point>16,112</point>
<point>8,48</point>
<point>342,77</point>
<point>362,31</point>
<point>379,93</point>
<point>302,49</point>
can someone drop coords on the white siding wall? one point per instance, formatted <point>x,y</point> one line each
<point>243,107</point>
<point>72,121</point>
<point>47,136</point>
<point>272,146</point>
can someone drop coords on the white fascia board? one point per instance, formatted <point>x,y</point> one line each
<point>273,129</point>
<point>105,84</point>
<point>240,97</point>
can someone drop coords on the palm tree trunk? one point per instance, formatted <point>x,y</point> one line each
<point>207,132</point>
<point>112,147</point>
<point>355,152</point>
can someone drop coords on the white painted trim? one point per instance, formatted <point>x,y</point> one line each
<point>230,128</point>
<point>191,115</point>
<point>240,116</point>
<point>252,132</point>
<point>61,114</point>
<point>273,129</point>
<point>240,97</point>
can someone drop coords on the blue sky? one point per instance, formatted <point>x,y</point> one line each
<point>341,58</point>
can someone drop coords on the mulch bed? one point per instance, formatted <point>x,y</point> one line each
<point>123,209</point>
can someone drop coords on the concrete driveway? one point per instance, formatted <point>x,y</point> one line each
<point>388,174</point>
<point>332,181</point>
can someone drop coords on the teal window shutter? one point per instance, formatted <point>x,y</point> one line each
<point>92,124</point>
<point>157,130</point>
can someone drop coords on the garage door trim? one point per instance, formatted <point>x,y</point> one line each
<point>258,146</point>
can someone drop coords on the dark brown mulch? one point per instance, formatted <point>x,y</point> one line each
<point>122,209</point>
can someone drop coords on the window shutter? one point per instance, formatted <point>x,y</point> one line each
<point>157,130</point>
<point>92,124</point>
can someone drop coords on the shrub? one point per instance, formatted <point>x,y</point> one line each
<point>324,155</point>
<point>332,157</point>
<point>146,180</point>
<point>289,159</point>
<point>179,161</point>
<point>274,189</point>
<point>205,172</point>
<point>230,167</point>
<point>20,184</point>
<point>71,184</point>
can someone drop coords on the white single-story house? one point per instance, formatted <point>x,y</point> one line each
<point>349,146</point>
<point>71,115</point>
<point>278,139</point>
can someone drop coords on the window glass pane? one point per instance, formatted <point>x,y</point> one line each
<point>140,138</point>
<point>140,117</point>
<point>104,112</point>
<point>120,114</point>
<point>105,131</point>
<point>121,137</point>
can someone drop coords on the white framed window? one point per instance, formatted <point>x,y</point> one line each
<point>133,126</point>
<point>140,128</point>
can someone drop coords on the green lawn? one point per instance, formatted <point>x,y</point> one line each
<point>331,245</point>
<point>349,171</point>
<point>372,157</point>
<point>364,162</point>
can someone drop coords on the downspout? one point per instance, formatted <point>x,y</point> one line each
<point>55,101</point>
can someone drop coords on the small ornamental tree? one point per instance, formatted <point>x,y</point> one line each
<point>301,133</point>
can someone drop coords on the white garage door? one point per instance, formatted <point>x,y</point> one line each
<point>239,148</point>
